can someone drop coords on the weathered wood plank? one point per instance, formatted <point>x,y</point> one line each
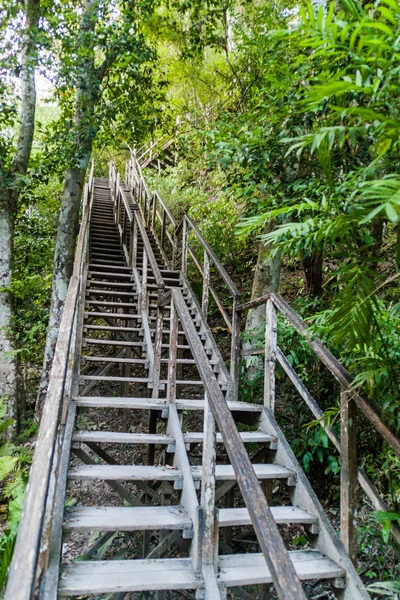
<point>348,475</point>
<point>123,518</point>
<point>283,573</point>
<point>250,569</point>
<point>370,410</point>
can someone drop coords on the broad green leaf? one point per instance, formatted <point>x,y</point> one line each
<point>7,465</point>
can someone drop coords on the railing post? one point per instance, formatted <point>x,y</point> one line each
<point>173,354</point>
<point>157,351</point>
<point>163,226</point>
<point>154,212</point>
<point>235,348</point>
<point>206,284</point>
<point>270,355</point>
<point>144,281</point>
<point>184,247</point>
<point>210,531</point>
<point>348,475</point>
<point>134,241</point>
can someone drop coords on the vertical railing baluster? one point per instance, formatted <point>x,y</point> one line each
<point>154,212</point>
<point>134,241</point>
<point>348,475</point>
<point>206,284</point>
<point>144,280</point>
<point>163,226</point>
<point>270,355</point>
<point>173,354</point>
<point>235,348</point>
<point>184,247</point>
<point>210,531</point>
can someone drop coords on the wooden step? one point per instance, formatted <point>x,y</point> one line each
<point>113,359</point>
<point>110,275</point>
<point>251,569</point>
<point>114,437</point>
<point>102,266</point>
<point>110,293</point>
<point>157,404</point>
<point>112,284</point>
<point>124,473</point>
<point>109,378</point>
<point>123,518</point>
<point>254,437</point>
<point>150,473</point>
<point>111,328</point>
<point>110,303</point>
<point>97,518</point>
<point>102,577</point>
<point>232,517</point>
<point>93,341</point>
<point>111,315</point>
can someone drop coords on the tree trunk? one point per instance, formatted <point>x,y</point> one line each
<point>266,279</point>
<point>87,94</point>
<point>63,265</point>
<point>10,185</point>
<point>312,266</point>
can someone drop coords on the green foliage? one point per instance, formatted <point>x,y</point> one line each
<point>14,466</point>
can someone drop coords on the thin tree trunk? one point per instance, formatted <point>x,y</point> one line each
<point>87,94</point>
<point>266,279</point>
<point>10,186</point>
<point>63,265</point>
<point>313,266</point>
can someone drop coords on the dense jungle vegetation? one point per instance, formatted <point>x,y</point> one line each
<point>287,141</point>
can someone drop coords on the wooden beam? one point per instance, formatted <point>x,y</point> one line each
<point>348,476</point>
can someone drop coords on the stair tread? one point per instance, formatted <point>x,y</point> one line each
<point>160,473</point>
<point>250,569</point>
<point>115,437</point>
<point>95,577</point>
<point>181,403</point>
<point>229,517</point>
<point>126,518</point>
<point>246,436</point>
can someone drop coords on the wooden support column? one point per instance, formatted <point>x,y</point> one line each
<point>206,284</point>
<point>173,354</point>
<point>235,349</point>
<point>270,355</point>
<point>144,282</point>
<point>163,227</point>
<point>154,211</point>
<point>348,475</point>
<point>134,243</point>
<point>184,247</point>
<point>210,536</point>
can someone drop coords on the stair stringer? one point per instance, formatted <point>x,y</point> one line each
<point>223,376</point>
<point>303,495</point>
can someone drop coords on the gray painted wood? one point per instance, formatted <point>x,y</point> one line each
<point>122,518</point>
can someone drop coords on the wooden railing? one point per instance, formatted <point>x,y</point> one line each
<point>130,227</point>
<point>182,243</point>
<point>32,546</point>
<point>153,149</point>
<point>216,411</point>
<point>351,402</point>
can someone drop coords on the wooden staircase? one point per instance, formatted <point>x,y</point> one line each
<point>156,455</point>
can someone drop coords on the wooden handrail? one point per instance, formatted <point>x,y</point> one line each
<point>276,555</point>
<point>217,263</point>
<point>369,409</point>
<point>30,543</point>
